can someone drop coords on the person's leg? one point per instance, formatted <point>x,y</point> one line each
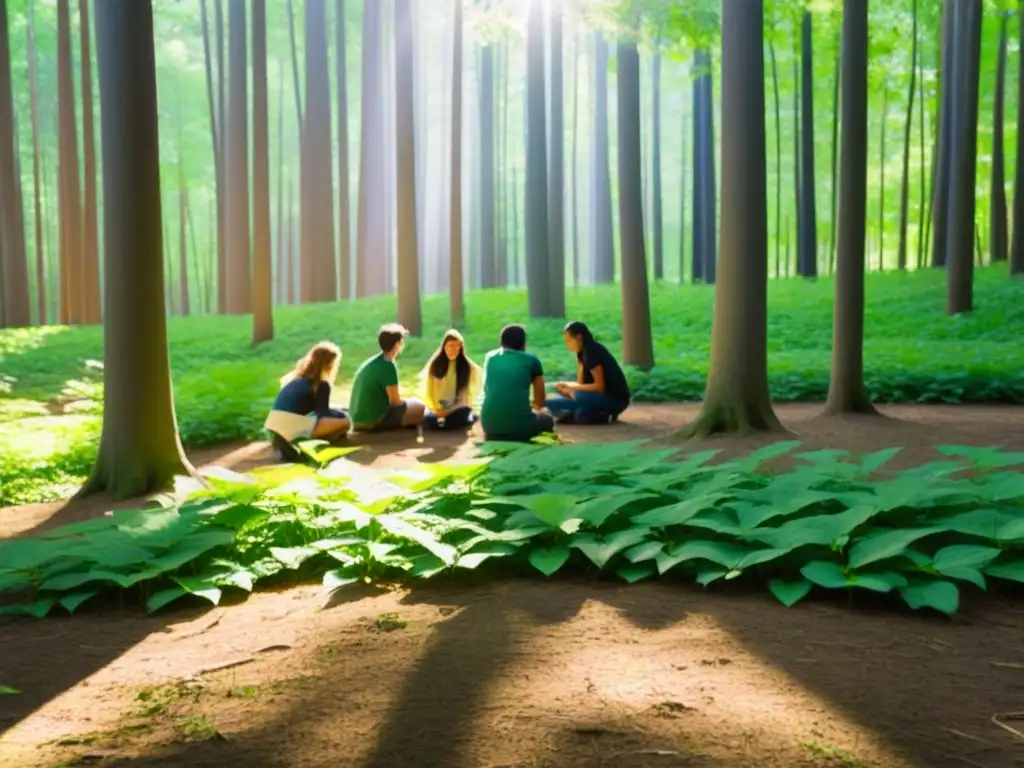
<point>288,451</point>
<point>414,412</point>
<point>545,422</point>
<point>459,418</point>
<point>596,408</point>
<point>430,420</point>
<point>328,427</point>
<point>560,404</point>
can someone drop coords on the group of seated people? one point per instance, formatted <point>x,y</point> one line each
<point>515,403</point>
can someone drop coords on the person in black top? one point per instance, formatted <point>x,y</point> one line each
<point>303,405</point>
<point>600,392</point>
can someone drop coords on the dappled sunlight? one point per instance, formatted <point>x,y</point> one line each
<point>18,341</point>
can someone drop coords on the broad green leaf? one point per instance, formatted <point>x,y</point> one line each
<point>677,514</point>
<point>886,544</point>
<point>200,586</point>
<point>164,597</point>
<point>983,523</point>
<point>755,459</point>
<point>875,461</point>
<point>789,593</point>
<point>596,511</point>
<point>83,528</point>
<point>192,547</point>
<point>238,515</point>
<point>821,530</point>
<point>29,554</point>
<point>964,556</point>
<point>825,574</point>
<point>293,557</point>
<point>548,561</point>
<point>942,596</point>
<point>634,573</point>
<point>548,508</point>
<point>425,565</point>
<point>399,527</point>
<point>334,543</point>
<point>884,581</point>
<point>339,578</point>
<point>600,549</point>
<point>707,576</point>
<point>1010,570</point>
<point>644,551</point>
<point>6,690</point>
<point>38,609</point>
<point>153,527</point>
<point>962,573</point>
<point>71,602</point>
<point>1013,530</point>
<point>66,581</point>
<point>472,560</point>
<point>721,553</point>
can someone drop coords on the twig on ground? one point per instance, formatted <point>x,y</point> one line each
<point>1007,664</point>
<point>968,761</point>
<point>224,665</point>
<point>198,632</point>
<point>998,720</point>
<point>963,735</point>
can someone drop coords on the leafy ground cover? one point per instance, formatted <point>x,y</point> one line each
<point>833,522</point>
<point>223,387</point>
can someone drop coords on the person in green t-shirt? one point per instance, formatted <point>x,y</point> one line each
<point>376,404</point>
<point>513,408</point>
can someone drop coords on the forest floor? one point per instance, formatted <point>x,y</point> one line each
<point>525,673</point>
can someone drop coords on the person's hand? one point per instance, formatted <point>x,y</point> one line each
<point>563,389</point>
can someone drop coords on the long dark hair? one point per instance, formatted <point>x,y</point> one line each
<point>438,365</point>
<point>579,329</point>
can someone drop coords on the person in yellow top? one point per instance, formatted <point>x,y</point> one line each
<point>451,384</point>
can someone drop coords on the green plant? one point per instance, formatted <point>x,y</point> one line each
<point>833,521</point>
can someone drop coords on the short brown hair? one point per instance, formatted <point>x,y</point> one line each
<point>389,336</point>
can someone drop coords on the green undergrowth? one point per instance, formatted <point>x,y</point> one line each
<point>832,522</point>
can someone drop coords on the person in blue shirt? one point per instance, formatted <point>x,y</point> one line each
<point>303,405</point>
<point>600,392</point>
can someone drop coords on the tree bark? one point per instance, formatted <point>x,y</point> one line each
<point>488,242</point>
<point>344,192</point>
<point>371,267</point>
<point>70,208</point>
<point>1017,239</point>
<point>42,316</point>
<point>90,274</point>
<point>964,150</point>
<point>456,308</point>
<point>700,63</point>
<point>409,312</point>
<point>222,133</point>
<point>556,169</point>
<point>15,306</point>
<point>943,149</point>
<point>778,158</point>
<point>186,308</point>
<point>846,392</point>
<point>901,254</point>
<point>737,397</point>
<point>538,244</point>
<point>238,272</point>
<point>998,240</point>
<point>262,273</point>
<point>216,126</point>
<point>602,246</point>
<point>637,345</point>
<point>657,226</point>
<point>833,211</point>
<point>807,255</point>
<point>682,191</point>
<point>139,448</point>
<point>881,181</point>
<point>708,186</point>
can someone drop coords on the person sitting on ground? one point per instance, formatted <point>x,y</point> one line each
<point>451,384</point>
<point>513,408</point>
<point>376,405</point>
<point>303,405</point>
<point>600,392</point>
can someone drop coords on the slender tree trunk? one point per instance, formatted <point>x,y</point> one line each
<point>456,310</point>
<point>409,312</point>
<point>1017,240</point>
<point>807,255</point>
<point>901,254</point>
<point>296,80</point>
<point>964,151</point>
<point>943,147</point>
<point>281,297</point>
<point>573,165</point>
<point>42,316</point>
<point>488,257</point>
<point>216,126</point>
<point>708,187</point>
<point>139,448</point>
<point>70,193</point>
<point>538,243</point>
<point>797,205</point>
<point>737,398</point>
<point>637,344</point>
<point>682,191</point>
<point>998,245</point>
<point>14,302</point>
<point>344,193</point>
<point>239,254</point>
<point>186,308</point>
<point>602,247</point>
<point>556,169</point>
<point>833,210</point>
<point>90,274</point>
<point>700,64</point>
<point>371,268</point>
<point>222,133</point>
<point>656,209</point>
<point>262,273</point>
<point>778,158</point>
<point>881,182</point>
<point>922,228</point>
<point>846,392</point>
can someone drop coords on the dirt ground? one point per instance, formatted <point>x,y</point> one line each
<point>563,673</point>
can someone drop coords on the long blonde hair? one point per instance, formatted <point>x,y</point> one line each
<point>320,364</point>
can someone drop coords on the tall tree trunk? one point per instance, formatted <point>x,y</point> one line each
<point>139,448</point>
<point>602,246</point>
<point>881,181</point>
<point>797,205</point>
<point>488,257</point>
<point>807,253</point>
<point>964,149</point>
<point>262,273</point>
<point>998,245</point>
<point>682,191</point>
<point>656,208</point>
<point>538,243</point>
<point>700,63</point>
<point>922,221</point>
<point>456,308</point>
<point>737,398</point>
<point>239,275</point>
<point>833,211</point>
<point>943,145</point>
<point>344,193</point>
<point>556,169</point>
<point>216,127</point>
<point>778,158</point>
<point>222,135</point>
<point>317,182</point>
<point>90,274</point>
<point>409,312</point>
<point>186,309</point>
<point>637,344</point>
<point>70,209</point>
<point>573,165</point>
<point>281,296</point>
<point>1017,239</point>
<point>371,269</point>
<point>14,302</point>
<point>846,391</point>
<point>901,254</point>
<point>42,316</point>
<point>708,187</point>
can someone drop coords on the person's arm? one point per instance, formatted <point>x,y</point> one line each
<point>322,402</point>
<point>391,384</point>
<point>538,385</point>
<point>430,394</point>
<point>597,385</point>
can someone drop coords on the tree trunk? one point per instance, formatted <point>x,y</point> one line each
<point>737,398</point>
<point>881,181</point>
<point>262,273</point>
<point>538,243</point>
<point>409,311</point>
<point>833,211</point>
<point>15,306</point>
<point>90,274</point>
<point>807,254</point>
<point>238,272</point>
<point>922,221</point>
<point>186,309</point>
<point>998,245</point>
<point>602,247</point>
<point>901,254</point>
<point>222,134</point>
<point>42,316</point>
<point>637,344</point>
<point>278,279</point>
<point>964,152</point>
<point>708,187</point>
<point>556,169</point>
<point>797,205</point>
<point>943,147</point>
<point>700,63</point>
<point>656,209</point>
<point>216,126</point>
<point>488,257</point>
<point>344,193</point>
<point>456,311</point>
<point>846,391</point>
<point>573,166</point>
<point>371,269</point>
<point>1017,241</point>
<point>778,158</point>
<point>139,448</point>
<point>70,209</point>
<point>682,191</point>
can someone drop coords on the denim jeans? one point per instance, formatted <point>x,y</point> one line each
<point>586,407</point>
<point>457,418</point>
